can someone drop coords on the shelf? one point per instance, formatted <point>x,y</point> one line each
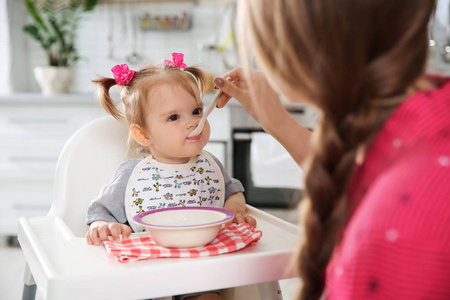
<point>169,2</point>
<point>38,98</point>
<point>148,1</point>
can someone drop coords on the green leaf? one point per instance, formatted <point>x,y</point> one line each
<point>33,31</point>
<point>59,34</point>
<point>55,25</point>
<point>90,5</point>
<point>34,13</point>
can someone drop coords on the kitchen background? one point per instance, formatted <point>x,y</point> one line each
<point>137,33</point>
<point>34,128</point>
<point>114,30</point>
<point>118,32</point>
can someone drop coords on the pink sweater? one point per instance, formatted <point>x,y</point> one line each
<point>397,242</point>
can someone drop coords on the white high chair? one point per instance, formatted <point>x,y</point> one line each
<point>63,266</point>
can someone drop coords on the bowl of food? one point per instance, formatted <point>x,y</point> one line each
<point>183,227</point>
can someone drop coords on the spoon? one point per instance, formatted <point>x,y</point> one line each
<point>208,110</point>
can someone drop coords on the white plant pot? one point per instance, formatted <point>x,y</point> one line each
<point>53,80</point>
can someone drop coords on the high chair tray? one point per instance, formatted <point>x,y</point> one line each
<point>66,267</point>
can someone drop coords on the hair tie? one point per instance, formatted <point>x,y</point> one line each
<point>177,61</point>
<point>122,74</point>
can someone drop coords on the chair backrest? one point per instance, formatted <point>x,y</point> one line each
<point>86,163</point>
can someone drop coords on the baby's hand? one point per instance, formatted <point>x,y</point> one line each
<point>236,204</point>
<point>242,216</point>
<point>100,231</point>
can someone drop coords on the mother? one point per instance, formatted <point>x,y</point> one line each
<point>378,163</point>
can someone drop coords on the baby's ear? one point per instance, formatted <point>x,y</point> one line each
<point>139,135</point>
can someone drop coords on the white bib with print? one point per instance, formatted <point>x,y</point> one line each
<point>153,185</point>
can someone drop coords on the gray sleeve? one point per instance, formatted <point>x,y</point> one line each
<point>232,185</point>
<point>109,205</point>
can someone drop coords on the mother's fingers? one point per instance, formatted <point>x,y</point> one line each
<point>236,73</point>
<point>231,86</point>
<point>230,90</point>
<point>223,100</point>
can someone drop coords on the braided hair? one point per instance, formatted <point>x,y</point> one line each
<point>355,61</point>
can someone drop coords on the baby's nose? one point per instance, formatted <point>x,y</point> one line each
<point>192,123</point>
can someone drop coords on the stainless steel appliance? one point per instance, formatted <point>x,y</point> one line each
<point>242,128</point>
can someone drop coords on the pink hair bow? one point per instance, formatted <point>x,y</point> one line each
<point>122,74</point>
<point>177,61</point>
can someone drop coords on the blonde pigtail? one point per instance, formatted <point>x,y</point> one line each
<point>104,85</point>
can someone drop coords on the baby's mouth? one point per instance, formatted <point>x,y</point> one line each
<point>195,138</point>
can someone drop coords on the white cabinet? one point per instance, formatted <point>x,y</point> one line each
<point>33,131</point>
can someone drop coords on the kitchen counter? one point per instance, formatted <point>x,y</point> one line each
<point>37,98</point>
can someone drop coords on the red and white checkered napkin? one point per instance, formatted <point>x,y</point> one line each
<point>229,239</point>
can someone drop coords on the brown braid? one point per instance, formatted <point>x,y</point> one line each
<point>355,60</point>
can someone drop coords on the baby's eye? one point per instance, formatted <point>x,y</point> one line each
<point>173,118</point>
<point>197,111</point>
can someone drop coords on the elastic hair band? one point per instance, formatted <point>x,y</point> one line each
<point>122,74</point>
<point>177,61</point>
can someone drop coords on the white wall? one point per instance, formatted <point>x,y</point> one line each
<point>211,24</point>
<point>4,49</point>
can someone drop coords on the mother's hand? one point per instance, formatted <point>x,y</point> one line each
<point>258,98</point>
<point>253,91</point>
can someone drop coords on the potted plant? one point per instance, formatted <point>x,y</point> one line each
<point>54,25</point>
